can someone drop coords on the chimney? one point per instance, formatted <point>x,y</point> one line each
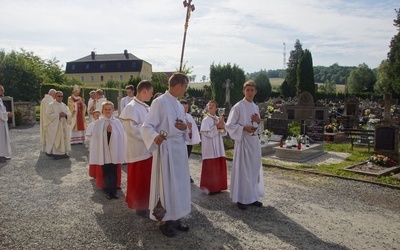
<point>93,54</point>
<point>126,54</point>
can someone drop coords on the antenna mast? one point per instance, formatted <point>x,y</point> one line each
<point>284,55</point>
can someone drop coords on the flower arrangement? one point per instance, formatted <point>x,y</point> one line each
<point>367,112</point>
<point>382,160</point>
<point>373,121</point>
<point>268,132</point>
<point>331,127</point>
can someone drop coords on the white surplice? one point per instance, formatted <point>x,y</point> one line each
<point>5,145</point>
<point>99,103</point>
<point>247,182</point>
<point>125,101</point>
<point>102,152</point>
<point>132,118</point>
<point>58,131</point>
<point>212,145</point>
<point>195,131</point>
<point>173,185</point>
<point>44,104</point>
<point>89,109</point>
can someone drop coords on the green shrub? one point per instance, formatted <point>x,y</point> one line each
<point>17,117</point>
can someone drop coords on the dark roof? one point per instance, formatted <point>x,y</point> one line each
<point>108,57</point>
<point>95,63</point>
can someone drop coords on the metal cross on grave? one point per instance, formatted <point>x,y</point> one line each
<point>388,102</point>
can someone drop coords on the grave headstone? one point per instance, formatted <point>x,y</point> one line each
<point>278,124</point>
<point>316,130</point>
<point>387,133</point>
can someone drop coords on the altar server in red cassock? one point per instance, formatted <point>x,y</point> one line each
<point>138,157</point>
<point>213,174</point>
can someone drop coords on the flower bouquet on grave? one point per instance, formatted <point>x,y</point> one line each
<point>382,160</point>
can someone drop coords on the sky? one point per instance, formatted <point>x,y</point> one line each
<point>248,33</point>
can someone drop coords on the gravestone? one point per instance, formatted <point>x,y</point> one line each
<point>278,124</point>
<point>387,133</point>
<point>351,109</point>
<point>316,130</point>
<point>9,104</point>
<point>345,120</point>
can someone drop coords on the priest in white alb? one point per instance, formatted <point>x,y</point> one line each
<point>5,145</point>
<point>164,132</point>
<point>44,104</point>
<point>247,180</point>
<point>58,132</point>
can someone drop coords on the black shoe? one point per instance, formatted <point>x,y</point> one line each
<point>115,196</point>
<point>241,206</point>
<point>49,155</point>
<point>167,229</point>
<point>109,196</point>
<point>191,180</point>
<point>212,193</point>
<point>181,227</point>
<point>257,204</point>
<point>143,213</point>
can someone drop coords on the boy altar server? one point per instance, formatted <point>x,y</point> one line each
<point>213,173</point>
<point>247,180</point>
<point>164,132</point>
<point>138,157</point>
<point>89,131</point>
<point>107,148</point>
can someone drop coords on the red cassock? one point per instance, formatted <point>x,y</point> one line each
<point>214,175</point>
<point>97,171</point>
<point>138,184</point>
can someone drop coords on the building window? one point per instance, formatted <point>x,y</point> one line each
<point>118,65</point>
<point>73,67</point>
<point>133,65</point>
<point>111,77</point>
<point>121,77</point>
<point>103,66</point>
<point>82,78</point>
<point>101,78</point>
<point>92,78</point>
<point>87,66</point>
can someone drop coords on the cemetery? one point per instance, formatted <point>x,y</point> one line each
<point>339,137</point>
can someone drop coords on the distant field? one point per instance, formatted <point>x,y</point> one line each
<point>275,83</point>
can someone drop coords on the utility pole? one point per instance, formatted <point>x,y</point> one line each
<point>189,8</point>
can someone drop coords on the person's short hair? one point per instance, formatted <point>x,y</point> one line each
<point>96,111</point>
<point>177,78</point>
<point>99,92</point>
<point>105,104</point>
<point>212,101</point>
<point>131,87</point>
<point>158,94</point>
<point>142,85</point>
<point>52,91</point>
<point>183,101</point>
<point>92,92</point>
<point>249,83</point>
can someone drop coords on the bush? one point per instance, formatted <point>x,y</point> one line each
<point>17,117</point>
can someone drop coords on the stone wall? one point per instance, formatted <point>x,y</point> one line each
<point>28,112</point>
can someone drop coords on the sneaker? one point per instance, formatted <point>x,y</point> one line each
<point>241,206</point>
<point>191,180</point>
<point>167,230</point>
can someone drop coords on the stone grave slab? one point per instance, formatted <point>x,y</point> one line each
<point>299,155</point>
<point>268,148</point>
<point>372,169</point>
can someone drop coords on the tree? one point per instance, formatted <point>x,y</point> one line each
<point>390,70</point>
<point>185,69</point>
<point>219,74</point>
<point>291,71</point>
<point>305,74</point>
<point>361,79</point>
<point>264,87</point>
<point>383,85</point>
<point>328,87</point>
<point>160,78</point>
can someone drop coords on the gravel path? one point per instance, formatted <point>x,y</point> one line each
<point>53,204</point>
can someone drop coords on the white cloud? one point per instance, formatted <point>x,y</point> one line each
<point>247,33</point>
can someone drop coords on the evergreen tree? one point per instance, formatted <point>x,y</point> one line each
<point>392,69</point>
<point>218,75</point>
<point>291,71</point>
<point>264,87</point>
<point>305,74</point>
